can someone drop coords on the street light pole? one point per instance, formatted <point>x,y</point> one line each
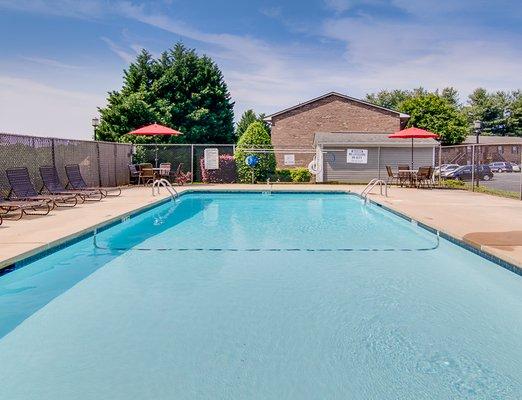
<point>95,123</point>
<point>477,125</point>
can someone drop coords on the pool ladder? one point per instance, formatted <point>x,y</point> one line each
<point>158,183</point>
<point>369,187</point>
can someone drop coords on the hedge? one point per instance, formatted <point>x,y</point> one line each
<point>256,136</point>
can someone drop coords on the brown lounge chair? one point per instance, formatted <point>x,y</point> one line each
<point>22,189</point>
<point>39,207</point>
<point>52,184</point>
<point>77,182</point>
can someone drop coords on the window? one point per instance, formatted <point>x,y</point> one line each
<point>514,149</point>
<point>500,149</point>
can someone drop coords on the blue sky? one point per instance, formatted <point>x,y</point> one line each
<point>60,57</point>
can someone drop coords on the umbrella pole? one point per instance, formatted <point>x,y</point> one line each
<point>156,155</point>
<point>411,153</point>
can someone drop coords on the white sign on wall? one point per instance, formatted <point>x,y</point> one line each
<point>211,158</point>
<point>289,159</point>
<point>357,156</point>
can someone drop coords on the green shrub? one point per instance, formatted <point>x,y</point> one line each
<point>453,184</point>
<point>255,137</point>
<point>281,175</point>
<point>300,175</point>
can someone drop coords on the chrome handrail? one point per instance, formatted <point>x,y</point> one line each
<point>167,185</point>
<point>369,187</point>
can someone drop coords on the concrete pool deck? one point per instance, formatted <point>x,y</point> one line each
<point>492,224</point>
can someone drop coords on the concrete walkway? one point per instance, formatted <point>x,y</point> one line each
<point>493,224</point>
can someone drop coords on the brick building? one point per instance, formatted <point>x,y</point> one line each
<point>490,149</point>
<point>330,125</point>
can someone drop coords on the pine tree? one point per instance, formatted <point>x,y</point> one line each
<point>255,137</point>
<point>248,117</point>
<point>179,89</point>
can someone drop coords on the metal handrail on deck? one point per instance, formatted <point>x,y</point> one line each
<point>369,187</point>
<point>167,185</point>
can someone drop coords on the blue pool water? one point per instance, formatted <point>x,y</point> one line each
<point>249,296</point>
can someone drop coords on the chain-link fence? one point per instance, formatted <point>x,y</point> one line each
<point>101,163</point>
<point>483,167</point>
<point>188,155</point>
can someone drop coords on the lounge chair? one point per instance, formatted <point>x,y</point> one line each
<point>181,177</point>
<point>37,207</point>
<point>77,182</point>
<point>23,190</point>
<point>51,183</point>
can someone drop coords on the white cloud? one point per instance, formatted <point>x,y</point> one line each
<point>49,62</point>
<point>125,55</point>
<point>28,107</point>
<point>338,5</point>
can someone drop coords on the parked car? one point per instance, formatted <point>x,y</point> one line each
<point>482,173</point>
<point>500,166</point>
<point>515,166</point>
<point>445,168</point>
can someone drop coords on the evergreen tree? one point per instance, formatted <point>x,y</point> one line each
<point>255,137</point>
<point>452,96</point>
<point>249,117</point>
<point>515,114</point>
<point>490,109</point>
<point>181,90</point>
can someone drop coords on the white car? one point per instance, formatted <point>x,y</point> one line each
<point>445,169</point>
<point>516,167</point>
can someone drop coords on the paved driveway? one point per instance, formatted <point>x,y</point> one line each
<point>509,181</point>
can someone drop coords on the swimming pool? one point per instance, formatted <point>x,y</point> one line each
<point>234,296</point>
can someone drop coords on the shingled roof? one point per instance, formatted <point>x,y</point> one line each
<point>367,139</point>
<point>343,96</point>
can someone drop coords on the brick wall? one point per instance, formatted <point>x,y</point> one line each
<point>296,128</point>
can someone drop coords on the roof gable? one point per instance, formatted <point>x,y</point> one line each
<point>340,95</point>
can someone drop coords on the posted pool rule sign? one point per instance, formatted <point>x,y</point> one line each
<point>357,156</point>
<point>211,158</point>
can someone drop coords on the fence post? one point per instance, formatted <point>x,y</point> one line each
<point>520,152</point>
<point>99,164</point>
<point>115,164</point>
<point>440,163</point>
<point>191,163</point>
<point>379,162</point>
<point>53,153</point>
<point>472,167</point>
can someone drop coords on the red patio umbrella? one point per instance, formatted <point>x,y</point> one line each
<point>155,130</point>
<point>413,133</point>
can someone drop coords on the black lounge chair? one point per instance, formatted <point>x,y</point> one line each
<point>51,183</point>
<point>25,207</point>
<point>77,182</point>
<point>23,189</point>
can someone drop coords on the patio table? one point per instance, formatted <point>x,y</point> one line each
<point>411,175</point>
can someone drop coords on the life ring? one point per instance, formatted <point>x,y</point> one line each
<point>314,167</point>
